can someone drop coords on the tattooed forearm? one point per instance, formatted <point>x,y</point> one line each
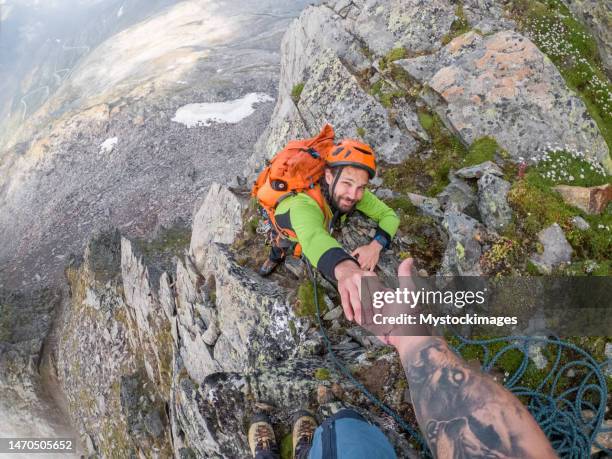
<point>464,413</point>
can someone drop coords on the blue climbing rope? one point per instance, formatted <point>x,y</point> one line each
<point>559,411</point>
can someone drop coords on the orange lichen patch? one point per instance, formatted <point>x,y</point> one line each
<point>462,41</point>
<point>506,55</point>
<point>445,80</point>
<point>452,93</point>
<point>501,91</point>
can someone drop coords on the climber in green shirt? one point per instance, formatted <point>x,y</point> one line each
<point>349,168</point>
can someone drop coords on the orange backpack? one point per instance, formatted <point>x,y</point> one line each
<point>297,168</point>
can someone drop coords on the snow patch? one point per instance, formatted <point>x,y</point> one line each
<point>120,12</point>
<point>108,145</point>
<point>233,111</point>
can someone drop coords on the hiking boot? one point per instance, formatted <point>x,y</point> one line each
<point>303,431</point>
<point>261,435</point>
<point>268,267</point>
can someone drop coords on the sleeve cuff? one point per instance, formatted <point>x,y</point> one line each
<point>383,237</point>
<point>328,261</point>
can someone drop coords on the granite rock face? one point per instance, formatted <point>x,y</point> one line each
<point>416,25</point>
<point>111,357</point>
<point>503,86</point>
<point>332,94</point>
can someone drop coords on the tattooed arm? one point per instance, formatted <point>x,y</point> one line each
<point>462,412</point>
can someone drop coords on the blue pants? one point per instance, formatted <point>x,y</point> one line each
<point>348,435</point>
<point>345,435</point>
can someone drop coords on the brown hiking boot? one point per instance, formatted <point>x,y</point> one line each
<point>268,267</point>
<point>303,431</point>
<point>261,435</point>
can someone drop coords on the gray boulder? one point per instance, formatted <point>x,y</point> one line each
<point>458,195</point>
<point>463,251</point>
<point>503,86</point>
<point>580,223</point>
<point>492,203</point>
<point>479,170</point>
<point>427,205</point>
<point>557,251</point>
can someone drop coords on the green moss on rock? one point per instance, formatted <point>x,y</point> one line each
<point>322,374</point>
<point>393,55</point>
<point>481,150</point>
<point>296,92</point>
<point>458,27</point>
<point>427,171</point>
<point>426,120</point>
<point>305,305</point>
<point>286,447</point>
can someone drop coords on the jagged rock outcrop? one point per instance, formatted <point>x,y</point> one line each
<point>112,371</point>
<point>162,363</point>
<point>334,68</point>
<point>218,219</point>
<point>26,395</point>
<point>498,86</point>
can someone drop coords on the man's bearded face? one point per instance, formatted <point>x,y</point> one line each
<point>350,187</point>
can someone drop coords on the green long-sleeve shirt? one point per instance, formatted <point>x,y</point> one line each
<point>303,215</point>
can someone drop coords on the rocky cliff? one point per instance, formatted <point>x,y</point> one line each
<point>166,344</point>
<point>153,362</point>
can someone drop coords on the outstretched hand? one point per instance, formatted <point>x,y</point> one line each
<point>349,274</point>
<point>404,273</point>
<point>368,255</point>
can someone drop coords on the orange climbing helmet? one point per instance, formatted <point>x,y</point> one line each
<point>351,152</point>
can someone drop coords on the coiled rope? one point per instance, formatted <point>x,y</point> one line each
<point>558,411</point>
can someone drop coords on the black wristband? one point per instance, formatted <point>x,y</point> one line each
<point>330,259</point>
